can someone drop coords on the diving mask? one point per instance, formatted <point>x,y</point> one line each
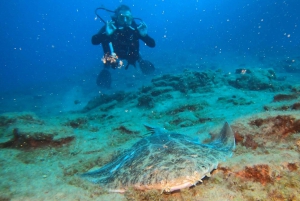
<point>125,18</point>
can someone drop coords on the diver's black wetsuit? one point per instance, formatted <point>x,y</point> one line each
<point>125,42</point>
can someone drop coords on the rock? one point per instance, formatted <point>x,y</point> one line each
<point>145,101</point>
<point>284,97</point>
<point>235,100</point>
<point>160,90</point>
<point>27,131</point>
<point>258,79</point>
<point>106,99</point>
<point>296,88</point>
<point>77,123</point>
<point>296,106</point>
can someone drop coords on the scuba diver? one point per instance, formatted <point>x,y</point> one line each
<point>120,42</point>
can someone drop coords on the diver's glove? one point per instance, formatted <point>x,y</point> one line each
<point>142,28</point>
<point>110,28</point>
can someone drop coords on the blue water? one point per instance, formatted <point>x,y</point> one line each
<point>46,45</point>
<point>49,67</point>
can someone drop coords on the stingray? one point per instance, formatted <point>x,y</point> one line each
<point>165,161</point>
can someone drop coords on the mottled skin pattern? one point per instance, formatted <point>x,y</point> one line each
<point>164,160</point>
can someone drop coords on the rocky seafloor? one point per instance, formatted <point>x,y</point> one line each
<point>41,156</point>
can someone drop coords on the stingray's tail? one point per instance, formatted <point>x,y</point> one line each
<point>225,141</point>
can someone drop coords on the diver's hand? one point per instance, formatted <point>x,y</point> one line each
<point>142,28</point>
<point>110,28</point>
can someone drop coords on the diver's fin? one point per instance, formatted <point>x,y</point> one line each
<point>133,63</point>
<point>146,67</point>
<point>104,79</point>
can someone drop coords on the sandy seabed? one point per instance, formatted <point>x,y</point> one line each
<point>40,156</point>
